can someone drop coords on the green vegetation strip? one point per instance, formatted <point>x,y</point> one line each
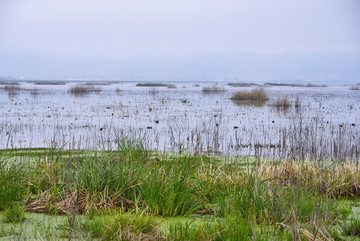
<point>134,194</point>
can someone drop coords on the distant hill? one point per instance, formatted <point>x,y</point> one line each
<point>319,67</point>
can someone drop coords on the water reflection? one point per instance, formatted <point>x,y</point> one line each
<point>244,103</point>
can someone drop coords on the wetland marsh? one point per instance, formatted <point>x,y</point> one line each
<point>176,116</point>
<point>178,161</point>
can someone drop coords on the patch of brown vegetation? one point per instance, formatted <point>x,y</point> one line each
<point>254,95</point>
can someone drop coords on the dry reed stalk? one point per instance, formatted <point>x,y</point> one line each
<point>342,180</point>
<point>37,206</point>
<point>85,202</point>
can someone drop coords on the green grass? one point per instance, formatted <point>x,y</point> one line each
<point>15,213</point>
<point>168,188</point>
<point>351,227</point>
<point>116,194</point>
<point>12,187</point>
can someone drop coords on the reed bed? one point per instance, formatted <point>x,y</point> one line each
<point>337,180</point>
<point>12,89</point>
<point>81,90</point>
<point>282,102</point>
<point>213,89</point>
<point>254,95</point>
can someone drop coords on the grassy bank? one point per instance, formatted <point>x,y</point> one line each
<point>134,194</point>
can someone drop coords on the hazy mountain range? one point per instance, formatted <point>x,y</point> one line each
<point>318,67</point>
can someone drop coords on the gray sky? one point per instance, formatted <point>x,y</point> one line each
<point>118,29</point>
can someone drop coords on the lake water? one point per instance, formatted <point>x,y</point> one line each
<point>185,118</point>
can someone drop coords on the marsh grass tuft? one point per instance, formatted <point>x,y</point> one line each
<point>15,213</point>
<point>254,95</point>
<point>127,226</point>
<point>168,189</point>
<point>34,92</point>
<point>213,89</point>
<point>81,90</point>
<point>282,102</point>
<point>153,91</point>
<point>297,102</point>
<point>233,228</point>
<point>13,90</point>
<point>351,227</point>
<point>11,186</point>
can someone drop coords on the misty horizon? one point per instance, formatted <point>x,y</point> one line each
<point>207,39</point>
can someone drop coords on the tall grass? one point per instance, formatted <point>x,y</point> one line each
<point>15,213</point>
<point>265,203</point>
<point>99,182</point>
<point>226,229</point>
<point>131,146</point>
<point>132,227</point>
<point>116,226</point>
<point>170,189</point>
<point>12,187</point>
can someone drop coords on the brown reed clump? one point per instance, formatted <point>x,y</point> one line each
<point>337,181</point>
<point>38,205</point>
<point>153,91</point>
<point>297,102</point>
<point>79,199</point>
<point>213,89</point>
<point>83,89</point>
<point>254,95</point>
<point>12,89</point>
<point>282,102</point>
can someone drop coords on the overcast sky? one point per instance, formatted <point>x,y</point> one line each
<point>120,29</point>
